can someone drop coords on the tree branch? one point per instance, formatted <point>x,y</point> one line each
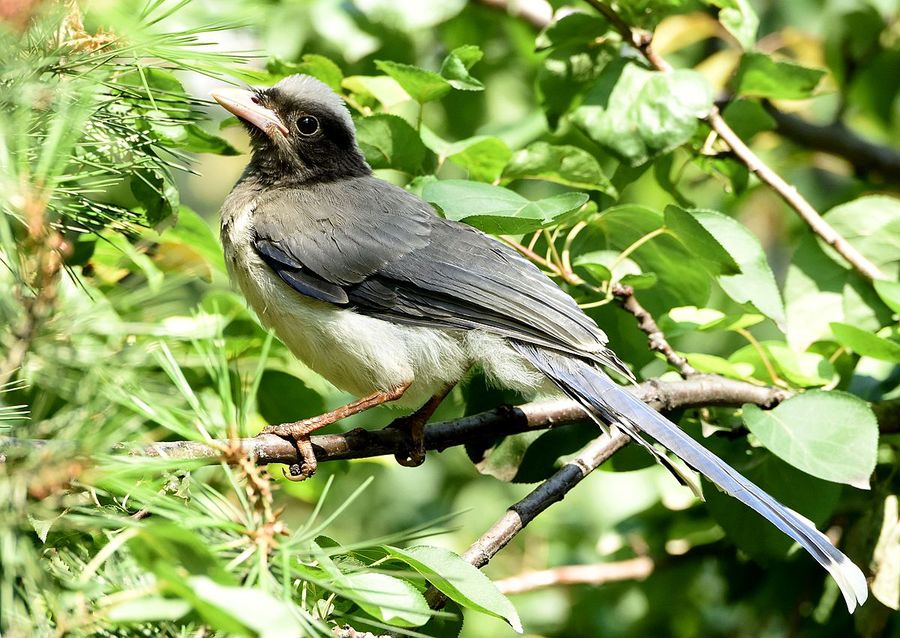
<point>836,139</point>
<point>699,390</point>
<point>642,41</point>
<point>655,337</point>
<point>597,574</point>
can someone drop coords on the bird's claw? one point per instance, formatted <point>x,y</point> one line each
<point>298,434</point>
<point>413,453</point>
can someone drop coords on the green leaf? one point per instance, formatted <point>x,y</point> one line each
<point>483,157</point>
<point>575,28</point>
<point>421,85</point>
<point>747,118</point>
<point>379,89</point>
<point>388,599</point>
<point>872,225</point>
<point>712,364</point>
<point>565,74</point>
<point>819,290</point>
<point>606,265</point>
<point>498,210</point>
<point>455,68</point>
<point>639,114</point>
<point>388,141</point>
<point>681,283</point>
<point>761,76</point>
<point>802,369</point>
<point>318,66</point>
<point>283,398</point>
<point>812,497</point>
<point>147,609</point>
<point>889,291</point>
<point>831,435</point>
<point>688,318</point>
<point>756,283</point>
<point>256,609</point>
<point>566,165</point>
<point>705,246</point>
<point>459,581</point>
<point>155,190</point>
<point>865,343</point>
<point>739,18</point>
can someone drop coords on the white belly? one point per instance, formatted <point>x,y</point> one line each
<point>362,354</point>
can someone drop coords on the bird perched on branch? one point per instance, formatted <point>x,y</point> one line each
<point>370,288</point>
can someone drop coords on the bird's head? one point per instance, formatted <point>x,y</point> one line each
<point>299,129</point>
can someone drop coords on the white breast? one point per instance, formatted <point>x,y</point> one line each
<point>356,353</point>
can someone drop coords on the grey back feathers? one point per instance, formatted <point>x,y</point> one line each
<point>372,246</point>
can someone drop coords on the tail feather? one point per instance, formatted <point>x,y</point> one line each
<point>602,397</point>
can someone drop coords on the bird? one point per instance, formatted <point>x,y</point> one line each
<point>366,284</point>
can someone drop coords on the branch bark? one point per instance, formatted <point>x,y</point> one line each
<point>597,574</point>
<point>655,337</point>
<point>836,139</point>
<point>699,390</point>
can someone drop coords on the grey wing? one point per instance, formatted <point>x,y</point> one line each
<point>394,259</point>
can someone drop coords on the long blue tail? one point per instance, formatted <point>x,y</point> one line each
<point>606,401</point>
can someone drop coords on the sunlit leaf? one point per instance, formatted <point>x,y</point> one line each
<point>421,85</point>
<point>566,165</point>
<point>639,114</point>
<point>831,435</point>
<point>759,75</point>
<point>865,343</point>
<point>459,580</point>
<point>389,599</point>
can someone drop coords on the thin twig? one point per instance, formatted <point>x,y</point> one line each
<point>655,336</point>
<point>597,574</point>
<point>551,491</point>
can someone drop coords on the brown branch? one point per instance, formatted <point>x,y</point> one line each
<point>655,337</point>
<point>836,139</point>
<point>700,390</point>
<point>598,574</point>
<point>551,491</point>
<point>642,41</point>
<point>41,260</point>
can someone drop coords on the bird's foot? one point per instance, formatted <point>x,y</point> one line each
<point>298,434</point>
<point>413,452</point>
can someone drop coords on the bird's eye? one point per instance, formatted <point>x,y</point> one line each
<point>307,124</point>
